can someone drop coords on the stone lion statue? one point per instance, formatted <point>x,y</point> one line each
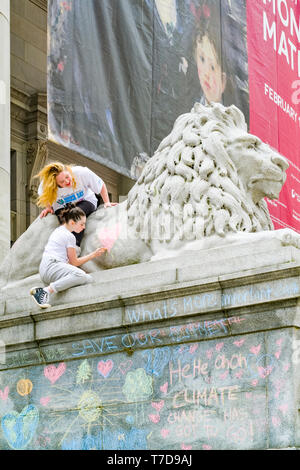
<point>204,186</point>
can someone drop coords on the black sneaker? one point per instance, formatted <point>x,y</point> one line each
<point>40,296</point>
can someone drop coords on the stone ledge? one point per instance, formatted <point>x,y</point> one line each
<point>267,289</point>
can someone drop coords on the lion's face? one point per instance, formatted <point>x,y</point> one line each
<point>261,169</point>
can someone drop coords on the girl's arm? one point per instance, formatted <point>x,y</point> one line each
<point>79,261</point>
<point>46,211</point>
<point>105,197</point>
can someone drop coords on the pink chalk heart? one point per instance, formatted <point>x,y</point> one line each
<point>4,394</point>
<point>44,401</point>
<point>185,447</point>
<point>276,421</point>
<point>224,375</point>
<point>125,366</point>
<point>105,367</point>
<point>279,342</point>
<point>239,343</point>
<point>286,367</point>
<point>108,236</point>
<point>206,447</point>
<point>53,373</point>
<point>209,353</point>
<point>277,354</point>
<point>283,408</point>
<point>158,405</point>
<point>255,349</point>
<point>254,383</point>
<point>239,374</point>
<point>154,418</point>
<point>265,371</point>
<point>193,348</point>
<point>164,387</point>
<point>165,433</point>
<point>219,346</point>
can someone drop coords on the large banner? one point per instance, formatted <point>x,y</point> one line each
<point>121,71</point>
<point>273,28</point>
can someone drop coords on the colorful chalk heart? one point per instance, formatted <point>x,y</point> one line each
<point>4,394</point>
<point>239,374</point>
<point>44,401</point>
<point>193,348</point>
<point>265,371</point>
<point>105,367</point>
<point>164,388</point>
<point>239,343</point>
<point>276,421</point>
<point>277,354</point>
<point>125,366</point>
<point>154,418</point>
<point>53,373</point>
<point>209,353</point>
<point>158,405</point>
<point>185,447</point>
<point>224,375</point>
<point>165,433</point>
<point>255,349</point>
<point>283,408</point>
<point>19,429</point>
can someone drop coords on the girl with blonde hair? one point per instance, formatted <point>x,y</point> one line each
<point>63,184</point>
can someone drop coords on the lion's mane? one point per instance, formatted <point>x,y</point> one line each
<point>190,188</point>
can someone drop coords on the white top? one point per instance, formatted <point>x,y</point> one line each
<point>60,239</point>
<point>87,185</point>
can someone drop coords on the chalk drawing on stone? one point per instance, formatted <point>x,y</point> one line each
<point>227,392</point>
<point>19,428</point>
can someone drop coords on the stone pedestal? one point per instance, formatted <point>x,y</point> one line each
<point>4,129</point>
<point>196,352</point>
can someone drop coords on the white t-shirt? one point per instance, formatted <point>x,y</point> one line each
<point>87,185</point>
<point>60,239</point>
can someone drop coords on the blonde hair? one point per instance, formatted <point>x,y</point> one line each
<point>48,178</point>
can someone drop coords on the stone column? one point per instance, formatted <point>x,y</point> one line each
<point>4,129</point>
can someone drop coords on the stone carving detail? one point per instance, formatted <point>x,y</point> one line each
<point>208,176</point>
<point>203,187</point>
<point>205,183</point>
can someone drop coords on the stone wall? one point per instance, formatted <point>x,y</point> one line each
<point>29,131</point>
<point>196,352</point>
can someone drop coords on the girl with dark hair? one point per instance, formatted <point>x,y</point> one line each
<point>59,266</point>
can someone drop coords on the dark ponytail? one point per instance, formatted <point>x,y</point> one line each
<point>70,212</point>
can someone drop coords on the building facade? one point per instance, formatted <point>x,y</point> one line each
<point>29,148</point>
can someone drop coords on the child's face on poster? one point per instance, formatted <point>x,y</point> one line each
<point>211,77</point>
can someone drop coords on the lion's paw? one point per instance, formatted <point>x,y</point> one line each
<point>290,238</point>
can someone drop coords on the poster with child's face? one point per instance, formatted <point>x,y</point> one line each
<point>121,72</point>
